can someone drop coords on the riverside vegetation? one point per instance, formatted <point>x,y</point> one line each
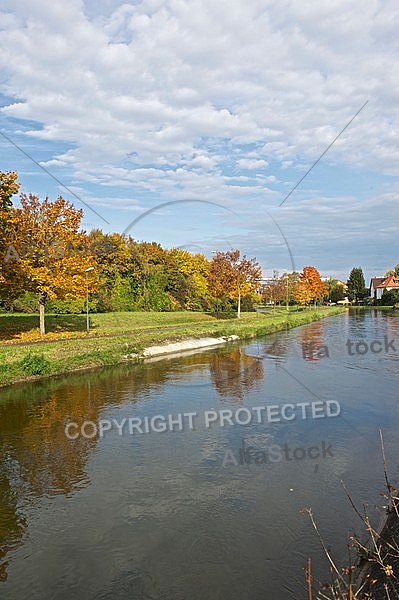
<point>119,337</point>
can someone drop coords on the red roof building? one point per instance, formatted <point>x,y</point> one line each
<point>379,284</point>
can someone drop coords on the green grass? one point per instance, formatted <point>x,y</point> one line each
<point>12,325</point>
<point>129,334</point>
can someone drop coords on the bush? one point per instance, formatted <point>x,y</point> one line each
<point>27,303</point>
<point>34,364</point>
<point>69,306</point>
<point>389,297</point>
<point>222,308</point>
<point>247,304</point>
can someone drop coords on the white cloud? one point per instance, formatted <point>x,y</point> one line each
<point>252,163</point>
<point>156,76</point>
<point>175,98</point>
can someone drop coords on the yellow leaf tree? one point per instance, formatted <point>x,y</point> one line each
<point>192,270</point>
<point>309,287</point>
<point>50,250</point>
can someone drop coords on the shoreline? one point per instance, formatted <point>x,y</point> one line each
<point>48,359</point>
<point>187,346</point>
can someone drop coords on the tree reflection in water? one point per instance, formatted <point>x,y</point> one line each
<point>235,373</point>
<point>36,457</point>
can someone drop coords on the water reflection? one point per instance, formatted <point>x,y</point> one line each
<point>308,344</point>
<point>235,373</point>
<point>12,524</point>
<point>157,516</point>
<point>36,457</point>
<point>354,337</point>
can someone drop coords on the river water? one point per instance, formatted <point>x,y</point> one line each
<point>174,515</point>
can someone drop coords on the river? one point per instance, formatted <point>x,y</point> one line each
<point>173,514</point>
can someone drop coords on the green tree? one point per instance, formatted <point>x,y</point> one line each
<point>389,297</point>
<point>121,266</point>
<point>394,271</point>
<point>356,285</point>
<point>336,290</point>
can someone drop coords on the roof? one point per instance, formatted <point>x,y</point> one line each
<point>375,281</point>
<point>389,282</point>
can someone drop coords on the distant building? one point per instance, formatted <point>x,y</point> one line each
<point>379,284</point>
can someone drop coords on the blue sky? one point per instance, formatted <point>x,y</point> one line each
<point>132,105</point>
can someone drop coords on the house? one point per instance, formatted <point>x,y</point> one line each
<point>375,292</point>
<point>379,284</point>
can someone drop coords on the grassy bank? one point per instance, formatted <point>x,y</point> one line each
<point>117,337</point>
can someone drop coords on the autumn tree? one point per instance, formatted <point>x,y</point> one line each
<point>356,285</point>
<point>302,294</point>
<point>275,290</point>
<point>9,186</point>
<point>232,276</point>
<point>309,287</point>
<point>187,277</point>
<point>50,250</point>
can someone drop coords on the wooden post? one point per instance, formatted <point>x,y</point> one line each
<point>42,301</point>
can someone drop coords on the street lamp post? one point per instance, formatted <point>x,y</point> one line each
<point>286,289</point>
<point>287,292</point>
<point>87,299</point>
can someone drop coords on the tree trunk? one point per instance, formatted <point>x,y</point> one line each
<point>42,302</point>
<point>239,305</point>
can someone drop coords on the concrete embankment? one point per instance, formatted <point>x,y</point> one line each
<point>187,345</point>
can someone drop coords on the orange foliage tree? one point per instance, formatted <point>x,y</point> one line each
<point>276,289</point>
<point>309,287</point>
<point>232,276</point>
<point>48,250</point>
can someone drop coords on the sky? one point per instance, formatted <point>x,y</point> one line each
<point>189,122</point>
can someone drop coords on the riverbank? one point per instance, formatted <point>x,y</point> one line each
<point>374,575</point>
<point>378,578</point>
<point>122,337</point>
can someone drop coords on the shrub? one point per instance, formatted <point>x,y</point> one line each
<point>389,297</point>
<point>34,364</point>
<point>27,303</point>
<point>222,308</point>
<point>69,306</point>
<point>247,304</point>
